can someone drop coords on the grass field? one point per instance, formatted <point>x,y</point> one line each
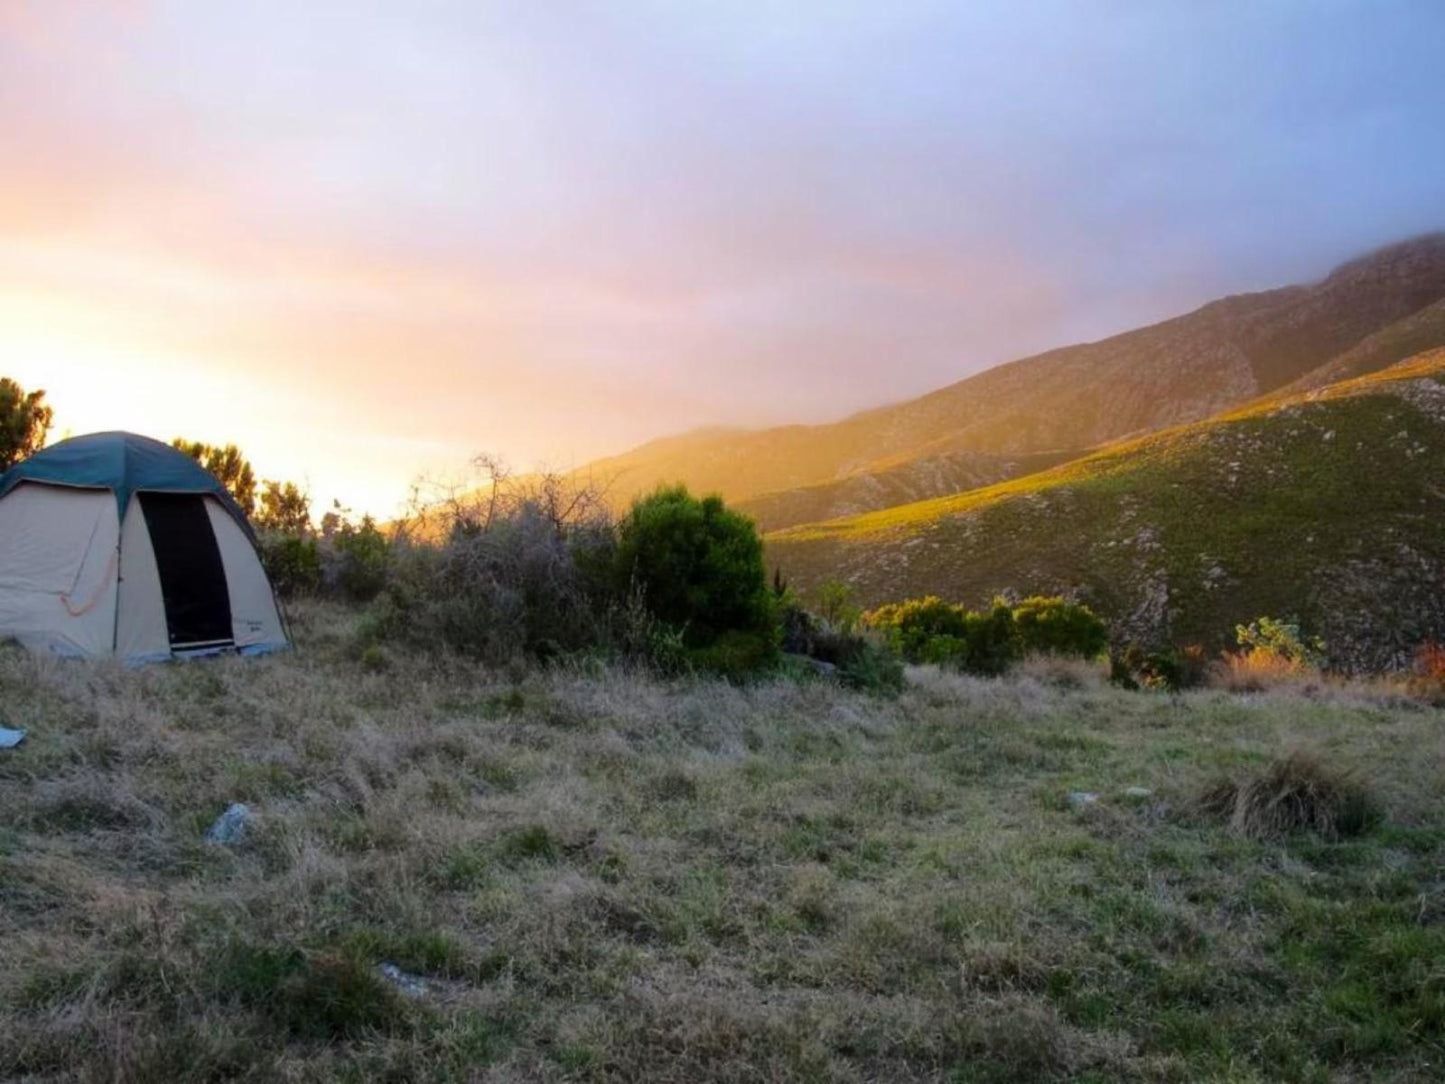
<point>599,876</point>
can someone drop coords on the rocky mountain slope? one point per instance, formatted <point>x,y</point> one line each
<point>1327,504</point>
<point>1416,333</point>
<point>990,426</point>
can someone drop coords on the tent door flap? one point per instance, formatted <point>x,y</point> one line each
<point>192,574</point>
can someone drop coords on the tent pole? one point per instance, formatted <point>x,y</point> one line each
<point>119,578</point>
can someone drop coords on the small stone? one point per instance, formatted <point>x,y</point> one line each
<point>812,665</point>
<point>409,984</point>
<point>230,827</point>
<point>1081,798</point>
<point>1138,792</point>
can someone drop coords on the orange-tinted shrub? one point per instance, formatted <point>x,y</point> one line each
<point>1428,680</point>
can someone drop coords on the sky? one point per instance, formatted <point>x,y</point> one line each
<point>369,240</point>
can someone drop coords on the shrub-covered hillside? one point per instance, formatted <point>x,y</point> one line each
<point>1327,505</point>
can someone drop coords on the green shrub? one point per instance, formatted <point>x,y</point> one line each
<point>835,605</point>
<point>361,556</point>
<point>1268,640</point>
<point>862,659</point>
<point>991,643</point>
<point>293,563</point>
<point>922,629</point>
<point>736,655</point>
<point>1169,669</point>
<point>943,651</point>
<point>1053,626</point>
<point>929,630</point>
<point>637,634</point>
<point>870,667</point>
<point>699,568</point>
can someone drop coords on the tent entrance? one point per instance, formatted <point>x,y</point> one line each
<point>192,575</point>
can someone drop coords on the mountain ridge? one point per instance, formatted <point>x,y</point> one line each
<point>1188,367</point>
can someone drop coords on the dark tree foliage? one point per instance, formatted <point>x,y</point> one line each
<point>285,508</point>
<point>362,555</point>
<point>293,563</point>
<point>228,464</point>
<point>24,421</point>
<point>991,642</point>
<point>698,564</point>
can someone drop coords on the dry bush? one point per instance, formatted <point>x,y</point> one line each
<point>1427,681</point>
<point>1296,792</point>
<point>1063,672</point>
<point>515,567</point>
<point>1261,670</point>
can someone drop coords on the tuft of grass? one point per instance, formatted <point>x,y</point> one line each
<point>373,659</point>
<point>1298,792</point>
<point>536,842</point>
<point>322,995</point>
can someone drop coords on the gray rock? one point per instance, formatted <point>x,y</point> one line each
<point>230,827</point>
<point>409,984</point>
<point>1082,798</point>
<point>817,666</point>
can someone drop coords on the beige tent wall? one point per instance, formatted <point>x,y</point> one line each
<point>58,568</point>
<point>76,581</point>
<point>140,632</point>
<point>254,619</point>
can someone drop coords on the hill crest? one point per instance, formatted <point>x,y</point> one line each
<point>1057,403</point>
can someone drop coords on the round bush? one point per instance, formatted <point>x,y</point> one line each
<point>698,566</point>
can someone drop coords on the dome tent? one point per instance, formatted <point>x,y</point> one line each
<point>116,544</point>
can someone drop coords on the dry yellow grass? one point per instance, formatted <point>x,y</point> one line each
<point>599,876</point>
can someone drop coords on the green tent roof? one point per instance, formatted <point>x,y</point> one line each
<point>123,463</point>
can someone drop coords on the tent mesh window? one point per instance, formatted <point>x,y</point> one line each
<point>193,577</point>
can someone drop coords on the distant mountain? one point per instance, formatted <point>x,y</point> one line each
<point>994,425</point>
<point>1328,504</point>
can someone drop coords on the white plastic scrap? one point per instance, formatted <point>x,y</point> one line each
<point>230,826</point>
<point>9,739</point>
<point>408,984</point>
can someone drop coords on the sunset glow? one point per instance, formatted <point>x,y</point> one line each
<point>367,241</point>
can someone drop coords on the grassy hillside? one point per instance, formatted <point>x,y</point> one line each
<point>1328,505</point>
<point>1185,369</point>
<point>600,877</point>
<point>909,480</point>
